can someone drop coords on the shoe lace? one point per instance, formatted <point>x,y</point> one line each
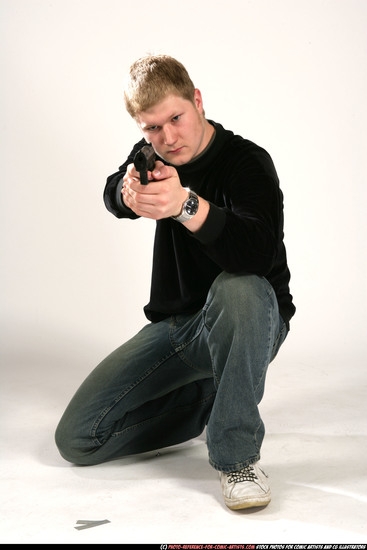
<point>246,474</point>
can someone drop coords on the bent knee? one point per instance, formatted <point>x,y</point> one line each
<point>70,447</point>
<point>236,290</point>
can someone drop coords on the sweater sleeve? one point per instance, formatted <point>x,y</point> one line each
<point>244,234</point>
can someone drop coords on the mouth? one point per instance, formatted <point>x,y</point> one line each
<point>175,151</point>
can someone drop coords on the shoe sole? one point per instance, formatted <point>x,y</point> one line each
<point>242,504</point>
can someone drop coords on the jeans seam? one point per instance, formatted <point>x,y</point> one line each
<point>180,347</point>
<point>270,347</point>
<point>281,336</point>
<point>117,399</point>
<point>255,436</point>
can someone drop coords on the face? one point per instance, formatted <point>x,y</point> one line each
<point>176,128</point>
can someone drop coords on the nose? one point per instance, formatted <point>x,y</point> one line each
<point>169,136</point>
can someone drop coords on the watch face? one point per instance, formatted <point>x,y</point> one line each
<point>191,206</point>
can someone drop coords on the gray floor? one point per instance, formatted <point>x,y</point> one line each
<point>314,452</point>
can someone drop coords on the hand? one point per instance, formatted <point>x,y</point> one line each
<point>161,198</point>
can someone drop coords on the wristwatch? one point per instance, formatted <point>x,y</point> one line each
<point>189,207</point>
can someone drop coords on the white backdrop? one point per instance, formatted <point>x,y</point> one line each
<point>290,75</point>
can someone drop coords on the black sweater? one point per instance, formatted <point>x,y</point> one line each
<point>242,234</point>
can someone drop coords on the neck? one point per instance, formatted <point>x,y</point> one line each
<point>208,139</point>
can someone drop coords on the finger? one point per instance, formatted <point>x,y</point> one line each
<point>127,195</point>
<point>132,172</point>
<point>136,194</point>
<point>154,187</point>
<point>132,184</point>
<point>130,179</point>
<point>158,165</point>
<point>162,171</point>
<point>138,205</point>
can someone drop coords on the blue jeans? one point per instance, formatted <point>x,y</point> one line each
<point>174,377</point>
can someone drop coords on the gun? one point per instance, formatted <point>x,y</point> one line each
<point>144,160</point>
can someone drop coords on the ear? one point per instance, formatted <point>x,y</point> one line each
<point>198,101</point>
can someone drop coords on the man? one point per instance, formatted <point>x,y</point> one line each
<point>219,307</point>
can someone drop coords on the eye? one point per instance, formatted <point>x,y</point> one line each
<point>151,128</point>
<point>176,118</point>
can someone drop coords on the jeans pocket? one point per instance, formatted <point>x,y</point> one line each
<point>184,329</point>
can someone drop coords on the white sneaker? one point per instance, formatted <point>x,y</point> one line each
<point>246,488</point>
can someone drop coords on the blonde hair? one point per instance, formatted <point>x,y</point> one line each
<point>151,79</point>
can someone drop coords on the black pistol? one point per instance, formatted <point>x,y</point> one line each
<point>144,160</point>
